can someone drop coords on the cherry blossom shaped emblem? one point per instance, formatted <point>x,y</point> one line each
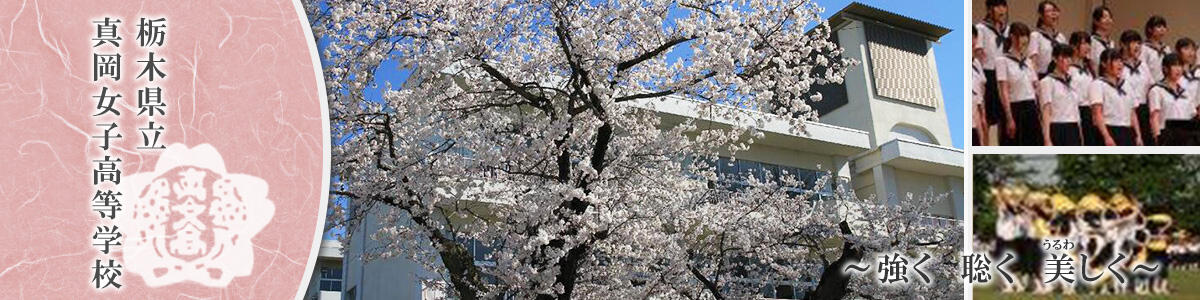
<point>190,220</point>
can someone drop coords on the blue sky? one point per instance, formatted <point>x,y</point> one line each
<point>949,53</point>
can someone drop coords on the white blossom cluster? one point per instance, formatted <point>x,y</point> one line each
<point>531,123</point>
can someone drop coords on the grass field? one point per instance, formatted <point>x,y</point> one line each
<point>1184,285</point>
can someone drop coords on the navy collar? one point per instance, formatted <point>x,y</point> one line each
<point>1019,61</point>
<point>1115,85</point>
<point>1176,93</point>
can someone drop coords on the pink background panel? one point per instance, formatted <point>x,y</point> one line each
<point>240,76</point>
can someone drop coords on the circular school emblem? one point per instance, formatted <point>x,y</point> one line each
<point>191,220</point>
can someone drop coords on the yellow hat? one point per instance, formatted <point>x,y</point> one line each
<point>1036,199</point>
<point>1091,202</point>
<point>1062,203</point>
<point>1159,218</point>
<point>1121,204</point>
<point>1157,244</point>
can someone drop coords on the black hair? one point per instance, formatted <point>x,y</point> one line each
<point>1172,59</point>
<point>1130,36</point>
<point>1042,10</point>
<point>1153,22</point>
<point>994,3</point>
<point>1184,43</point>
<point>1079,38</point>
<point>1015,31</point>
<point>1107,57</point>
<point>1098,14</point>
<point>1063,50</point>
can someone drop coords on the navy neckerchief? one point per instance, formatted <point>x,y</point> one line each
<point>1117,85</point>
<point>1134,69</point>
<point>1190,74</point>
<point>1049,36</point>
<point>1158,49</point>
<point>1176,93</point>
<point>1020,62</point>
<point>1066,81</point>
<point>999,35</point>
<point>1103,42</point>
<point>1083,67</point>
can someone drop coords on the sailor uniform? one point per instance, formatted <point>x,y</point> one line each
<point>1081,82</point>
<point>1041,50</point>
<point>1118,106</point>
<point>1021,78</point>
<point>1152,54</point>
<point>978,87</point>
<point>1099,44</point>
<point>1178,110</point>
<point>992,39</point>
<point>1056,94</point>
<point>1137,74</point>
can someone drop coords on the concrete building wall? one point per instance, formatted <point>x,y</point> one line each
<point>854,114</point>
<point>918,183</point>
<point>878,115</point>
<point>392,278</point>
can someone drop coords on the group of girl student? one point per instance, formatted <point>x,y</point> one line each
<point>1085,90</point>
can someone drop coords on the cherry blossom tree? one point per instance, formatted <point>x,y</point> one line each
<point>532,124</point>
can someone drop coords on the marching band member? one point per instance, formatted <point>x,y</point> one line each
<point>1018,90</point>
<point>1159,226</point>
<point>1059,102</point>
<point>1062,226</point>
<point>1112,104</point>
<point>1171,102</point>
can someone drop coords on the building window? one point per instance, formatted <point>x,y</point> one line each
<point>331,279</point>
<point>730,175</point>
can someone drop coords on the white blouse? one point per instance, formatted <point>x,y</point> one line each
<point>1137,75</point>
<point>1117,102</point>
<point>1173,104</point>
<point>978,82</point>
<point>1056,93</point>
<point>1153,56</point>
<point>1041,46</point>
<point>1099,44</point>
<point>993,40</point>
<point>1081,82</point>
<point>1020,77</point>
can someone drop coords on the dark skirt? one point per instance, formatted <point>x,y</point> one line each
<point>1065,134</point>
<point>1028,119</point>
<point>1162,259</point>
<point>991,99</point>
<point>1143,113</point>
<point>1122,135</point>
<point>1091,134</point>
<point>1179,133</point>
<point>1032,257</point>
